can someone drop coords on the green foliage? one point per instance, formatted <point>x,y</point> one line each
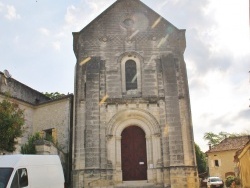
<point>11,124</point>
<point>29,147</point>
<point>214,139</point>
<point>200,159</point>
<point>54,95</point>
<point>49,138</point>
<point>230,180</point>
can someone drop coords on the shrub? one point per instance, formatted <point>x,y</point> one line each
<point>29,147</point>
<point>231,179</point>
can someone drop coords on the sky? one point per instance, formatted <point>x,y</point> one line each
<point>36,47</point>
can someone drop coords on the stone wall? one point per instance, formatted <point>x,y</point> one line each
<point>55,115</point>
<point>225,162</point>
<point>130,30</point>
<point>20,91</point>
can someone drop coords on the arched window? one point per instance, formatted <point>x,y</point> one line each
<point>131,75</point>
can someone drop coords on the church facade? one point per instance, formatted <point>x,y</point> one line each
<point>132,120</point>
<point>129,122</point>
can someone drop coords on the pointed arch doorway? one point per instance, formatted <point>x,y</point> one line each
<point>134,156</point>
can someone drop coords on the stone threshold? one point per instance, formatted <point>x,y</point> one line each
<point>136,184</point>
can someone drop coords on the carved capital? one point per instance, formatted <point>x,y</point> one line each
<point>109,137</point>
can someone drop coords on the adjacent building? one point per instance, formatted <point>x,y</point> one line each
<point>242,160</point>
<point>221,157</point>
<point>50,118</point>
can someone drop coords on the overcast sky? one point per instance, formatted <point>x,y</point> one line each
<point>36,48</point>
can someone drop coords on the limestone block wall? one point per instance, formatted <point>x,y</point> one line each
<point>55,115</point>
<point>156,47</point>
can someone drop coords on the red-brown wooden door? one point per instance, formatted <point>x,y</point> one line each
<point>134,158</point>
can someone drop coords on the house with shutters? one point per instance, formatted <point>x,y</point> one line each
<point>132,121</point>
<point>50,118</point>
<point>221,157</point>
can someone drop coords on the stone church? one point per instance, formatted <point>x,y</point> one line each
<point>128,123</point>
<point>132,110</point>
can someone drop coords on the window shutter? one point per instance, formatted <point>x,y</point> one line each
<point>54,135</point>
<point>219,162</point>
<point>42,134</point>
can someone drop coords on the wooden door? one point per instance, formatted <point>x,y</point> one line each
<point>134,158</point>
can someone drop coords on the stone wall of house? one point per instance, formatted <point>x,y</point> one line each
<point>243,165</point>
<point>55,115</point>
<point>20,91</point>
<point>58,116</point>
<point>225,160</point>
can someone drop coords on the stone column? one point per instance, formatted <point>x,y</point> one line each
<point>118,166</point>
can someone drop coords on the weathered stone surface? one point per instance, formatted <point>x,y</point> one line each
<point>159,105</point>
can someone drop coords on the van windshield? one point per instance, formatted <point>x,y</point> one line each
<point>5,176</point>
<point>215,179</point>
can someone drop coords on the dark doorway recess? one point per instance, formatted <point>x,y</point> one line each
<point>134,158</point>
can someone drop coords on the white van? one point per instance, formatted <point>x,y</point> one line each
<point>31,171</point>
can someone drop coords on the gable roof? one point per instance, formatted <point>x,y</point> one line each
<point>138,2</point>
<point>231,143</point>
<point>247,145</point>
<point>113,20</point>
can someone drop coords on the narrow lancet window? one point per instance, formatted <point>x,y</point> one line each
<point>131,75</point>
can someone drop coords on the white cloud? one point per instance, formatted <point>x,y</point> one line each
<point>75,18</point>
<point>70,17</point>
<point>44,31</point>
<point>61,35</point>
<point>217,36</point>
<point>11,13</point>
<point>98,5</point>
<point>56,45</point>
<point>232,31</point>
<point>1,7</point>
<point>79,16</point>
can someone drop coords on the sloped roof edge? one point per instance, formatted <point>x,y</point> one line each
<point>111,6</point>
<point>77,34</point>
<point>230,144</point>
<point>24,85</point>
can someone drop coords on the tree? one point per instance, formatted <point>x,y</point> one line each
<point>200,159</point>
<point>11,125</point>
<point>214,139</point>
<point>54,95</point>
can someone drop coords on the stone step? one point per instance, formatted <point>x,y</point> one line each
<point>137,184</point>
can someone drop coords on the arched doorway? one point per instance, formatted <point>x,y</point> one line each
<point>133,151</point>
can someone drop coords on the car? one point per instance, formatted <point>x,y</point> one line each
<point>215,182</point>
